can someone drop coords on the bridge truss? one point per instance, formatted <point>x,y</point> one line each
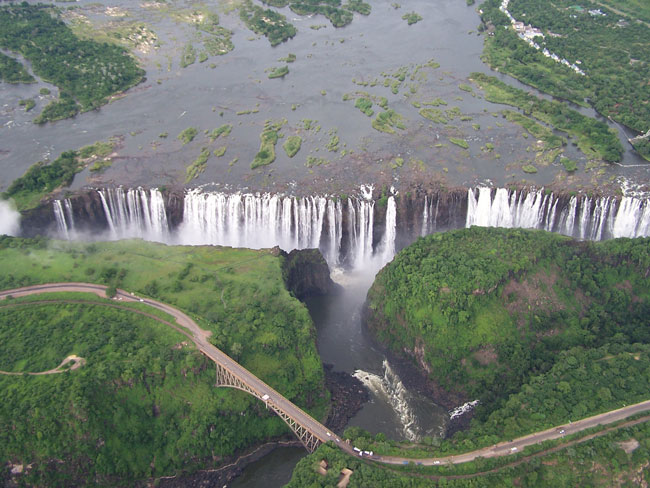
<point>225,378</point>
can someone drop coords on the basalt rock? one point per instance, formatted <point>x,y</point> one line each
<point>306,273</point>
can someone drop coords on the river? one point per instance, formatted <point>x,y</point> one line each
<point>329,64</point>
<point>328,60</point>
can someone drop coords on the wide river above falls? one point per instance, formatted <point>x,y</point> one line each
<point>330,63</point>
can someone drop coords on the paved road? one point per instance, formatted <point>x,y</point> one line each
<point>514,446</point>
<point>200,338</point>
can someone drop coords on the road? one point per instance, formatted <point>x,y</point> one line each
<point>200,338</point>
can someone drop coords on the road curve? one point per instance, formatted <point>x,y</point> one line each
<point>200,338</point>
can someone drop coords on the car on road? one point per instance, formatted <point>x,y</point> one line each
<point>513,449</point>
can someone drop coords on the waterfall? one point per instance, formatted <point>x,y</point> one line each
<point>335,230</point>
<point>131,213</point>
<point>61,223</point>
<point>9,219</point>
<point>583,217</point>
<point>392,390</point>
<point>388,241</point>
<point>267,220</point>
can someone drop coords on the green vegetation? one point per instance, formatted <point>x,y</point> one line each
<point>358,6</point>
<point>333,143</point>
<point>594,137</point>
<point>435,103</point>
<point>87,73</point>
<point>642,146</point>
<point>289,59</point>
<point>187,135</point>
<point>569,164</point>
<point>198,165</point>
<point>412,18</point>
<point>514,301</point>
<point>529,168</point>
<point>280,72</point>
<point>269,138</point>
<point>615,78</point>
<point>315,161</point>
<point>99,166</point>
<point>267,22</point>
<point>11,71</point>
<point>365,105</point>
<point>43,178</point>
<point>224,131</point>
<point>635,9</point>
<point>292,145</point>
<point>615,459</point>
<point>459,142</point>
<point>388,121</point>
<point>144,404</point>
<point>220,151</point>
<point>44,91</point>
<point>434,114</point>
<point>536,130</point>
<point>466,88</point>
<point>28,103</point>
<point>339,15</point>
<point>188,56</point>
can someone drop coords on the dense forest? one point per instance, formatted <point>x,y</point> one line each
<point>237,294</point>
<point>269,23</point>
<point>612,50</point>
<point>485,310</point>
<point>11,71</point>
<point>86,72</point>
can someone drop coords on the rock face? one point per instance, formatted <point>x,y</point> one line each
<point>306,273</point>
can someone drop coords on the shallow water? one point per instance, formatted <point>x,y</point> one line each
<point>172,99</point>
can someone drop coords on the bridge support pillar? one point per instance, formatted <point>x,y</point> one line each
<point>227,379</point>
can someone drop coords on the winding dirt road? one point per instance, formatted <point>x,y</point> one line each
<point>200,338</point>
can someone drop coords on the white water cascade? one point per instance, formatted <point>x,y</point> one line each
<point>583,218</point>
<point>390,387</point>
<point>388,241</point>
<point>135,213</point>
<point>344,230</point>
<point>248,220</point>
<point>9,219</point>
